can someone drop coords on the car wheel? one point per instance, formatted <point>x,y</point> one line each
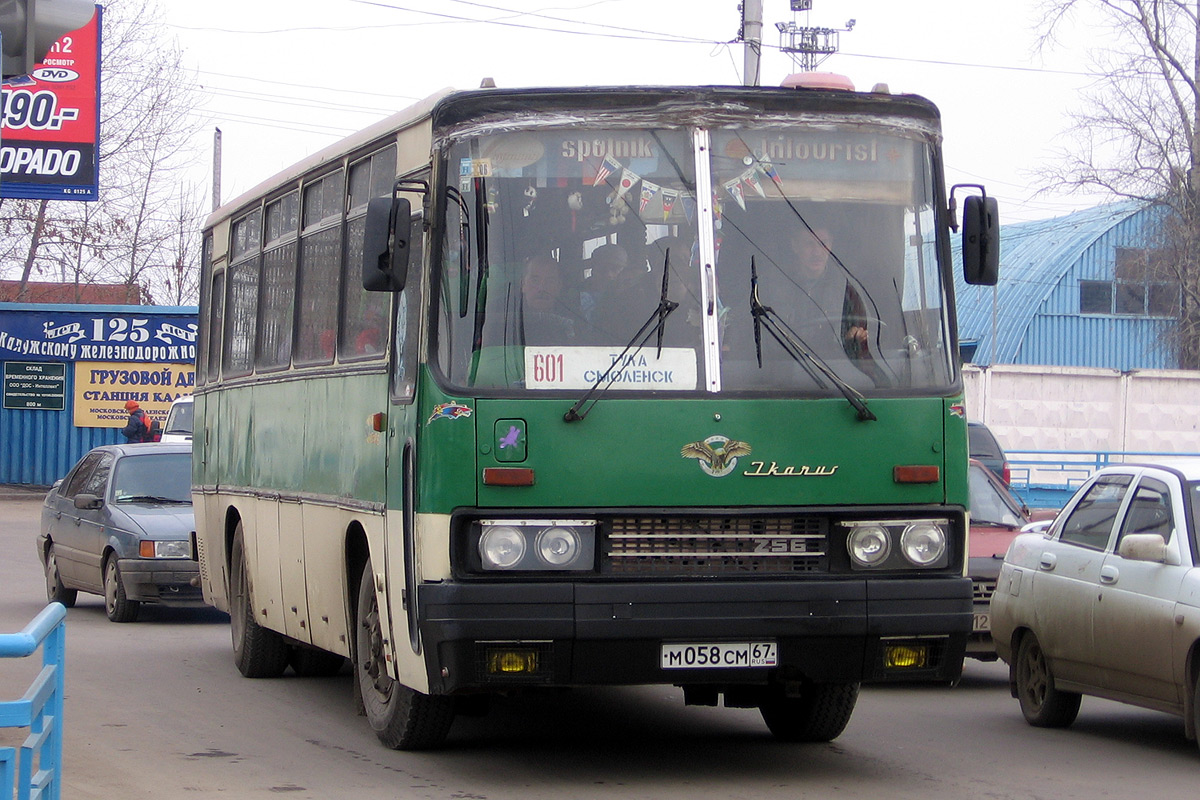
<point>309,662</point>
<point>258,652</point>
<point>819,714</point>
<point>1042,703</point>
<point>117,605</point>
<point>55,591</point>
<point>402,718</point>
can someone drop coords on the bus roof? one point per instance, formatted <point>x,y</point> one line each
<point>400,119</point>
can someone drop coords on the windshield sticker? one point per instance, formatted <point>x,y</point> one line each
<point>581,368</point>
<point>449,411</point>
<point>718,455</point>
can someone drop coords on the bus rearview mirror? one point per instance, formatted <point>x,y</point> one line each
<point>981,241</point>
<point>385,244</point>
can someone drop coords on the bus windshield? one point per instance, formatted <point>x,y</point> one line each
<point>768,256</point>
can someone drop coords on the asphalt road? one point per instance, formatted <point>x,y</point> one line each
<point>156,709</point>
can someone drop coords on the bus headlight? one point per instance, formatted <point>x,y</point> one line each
<point>558,547</point>
<point>501,547</point>
<point>537,544</point>
<point>869,545</point>
<point>923,543</point>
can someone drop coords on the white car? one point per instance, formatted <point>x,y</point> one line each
<point>179,421</point>
<point>1107,601</point>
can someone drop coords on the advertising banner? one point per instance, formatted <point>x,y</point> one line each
<point>49,140</point>
<point>99,336</point>
<point>103,388</point>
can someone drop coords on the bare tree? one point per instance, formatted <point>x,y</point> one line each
<point>132,233</point>
<point>1137,137</point>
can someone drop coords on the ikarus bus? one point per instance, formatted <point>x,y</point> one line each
<point>536,388</point>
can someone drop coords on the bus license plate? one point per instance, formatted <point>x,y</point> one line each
<point>723,655</point>
<point>983,623</point>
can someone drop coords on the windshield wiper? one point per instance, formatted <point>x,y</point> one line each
<point>150,498</point>
<point>796,348</point>
<point>656,322</point>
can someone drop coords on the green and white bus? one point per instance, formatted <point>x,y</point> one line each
<point>600,386</point>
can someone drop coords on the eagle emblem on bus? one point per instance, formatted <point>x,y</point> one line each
<point>717,455</point>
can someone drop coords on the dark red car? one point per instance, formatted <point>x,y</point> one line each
<point>997,516</point>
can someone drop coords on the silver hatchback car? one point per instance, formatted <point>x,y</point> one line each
<point>1107,601</point>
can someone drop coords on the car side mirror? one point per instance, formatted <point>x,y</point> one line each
<point>385,244</point>
<point>88,501</point>
<point>1040,526</point>
<point>1150,547</point>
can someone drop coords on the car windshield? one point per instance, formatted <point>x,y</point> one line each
<point>180,419</point>
<point>568,250</point>
<point>153,477</point>
<point>988,505</point>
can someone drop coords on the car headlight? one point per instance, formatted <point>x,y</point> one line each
<point>172,549</point>
<point>558,547</point>
<point>898,544</point>
<point>537,544</point>
<point>923,543</point>
<point>869,545</point>
<point>501,547</point>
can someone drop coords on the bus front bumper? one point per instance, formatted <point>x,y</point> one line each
<point>489,636</point>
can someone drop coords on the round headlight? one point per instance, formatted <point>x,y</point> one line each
<point>923,543</point>
<point>558,547</point>
<point>869,545</point>
<point>501,547</point>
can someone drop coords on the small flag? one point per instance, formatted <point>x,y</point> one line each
<point>648,191</point>
<point>734,187</point>
<point>669,196</point>
<point>628,179</point>
<point>608,167</point>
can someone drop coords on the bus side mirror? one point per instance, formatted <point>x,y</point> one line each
<point>385,244</point>
<point>981,241</point>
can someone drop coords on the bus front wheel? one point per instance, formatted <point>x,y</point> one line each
<point>402,718</point>
<point>819,714</point>
<point>258,652</point>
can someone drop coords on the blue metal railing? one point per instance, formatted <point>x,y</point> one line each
<point>40,710</point>
<point>1048,478</point>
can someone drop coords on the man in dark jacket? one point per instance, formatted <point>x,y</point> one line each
<point>137,429</point>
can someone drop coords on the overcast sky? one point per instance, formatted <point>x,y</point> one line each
<point>283,78</point>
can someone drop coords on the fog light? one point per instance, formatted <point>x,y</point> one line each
<point>512,662</point>
<point>905,656</point>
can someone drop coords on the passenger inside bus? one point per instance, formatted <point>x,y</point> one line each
<point>547,317</point>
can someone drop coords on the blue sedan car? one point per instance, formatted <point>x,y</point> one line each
<point>119,525</point>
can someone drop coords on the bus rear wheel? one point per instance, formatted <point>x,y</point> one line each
<point>258,652</point>
<point>819,714</point>
<point>402,718</point>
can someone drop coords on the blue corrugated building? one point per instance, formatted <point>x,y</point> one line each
<point>1090,289</point>
<point>67,371</point>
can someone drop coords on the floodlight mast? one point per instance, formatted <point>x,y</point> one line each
<point>29,28</point>
<point>809,46</point>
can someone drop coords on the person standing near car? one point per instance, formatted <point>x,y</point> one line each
<point>136,429</point>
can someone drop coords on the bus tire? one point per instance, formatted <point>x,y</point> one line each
<point>258,652</point>
<point>402,718</point>
<point>819,714</point>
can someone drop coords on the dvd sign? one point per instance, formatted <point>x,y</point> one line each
<point>51,122</point>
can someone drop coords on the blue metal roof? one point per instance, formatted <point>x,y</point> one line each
<point>1034,259</point>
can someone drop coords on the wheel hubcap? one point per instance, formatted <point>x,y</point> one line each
<point>372,662</point>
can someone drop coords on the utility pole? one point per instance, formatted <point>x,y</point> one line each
<point>752,11</point>
<point>216,187</point>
